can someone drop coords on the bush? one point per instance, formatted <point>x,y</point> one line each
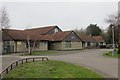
<point>102,46</point>
<point>118,49</point>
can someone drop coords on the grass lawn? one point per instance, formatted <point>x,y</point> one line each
<point>51,69</point>
<point>41,53</point>
<point>109,54</point>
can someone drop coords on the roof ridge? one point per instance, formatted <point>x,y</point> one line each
<point>41,27</point>
<point>13,29</point>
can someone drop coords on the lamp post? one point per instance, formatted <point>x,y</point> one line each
<point>119,40</point>
<point>113,37</point>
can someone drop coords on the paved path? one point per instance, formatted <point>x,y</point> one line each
<point>93,59</point>
<point>90,58</point>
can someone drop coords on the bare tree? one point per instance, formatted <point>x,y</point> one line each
<point>4,19</point>
<point>28,42</point>
<point>80,31</point>
<point>114,19</point>
<point>31,41</point>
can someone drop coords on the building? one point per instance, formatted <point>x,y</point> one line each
<point>100,41</point>
<point>45,38</point>
<point>88,41</point>
<point>1,43</point>
<point>66,40</point>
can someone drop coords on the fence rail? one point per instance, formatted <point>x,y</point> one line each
<point>16,63</point>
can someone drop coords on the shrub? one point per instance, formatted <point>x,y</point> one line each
<point>102,46</point>
<point>119,48</point>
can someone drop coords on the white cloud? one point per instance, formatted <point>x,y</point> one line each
<point>66,15</point>
<point>59,0</point>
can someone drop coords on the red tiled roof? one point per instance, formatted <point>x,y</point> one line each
<point>46,37</point>
<point>59,36</point>
<point>24,35</point>
<point>41,30</point>
<point>33,34</point>
<point>98,39</point>
<point>87,38</point>
<point>37,34</point>
<point>83,37</point>
<point>15,34</point>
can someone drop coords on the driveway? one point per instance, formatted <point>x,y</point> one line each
<point>90,58</point>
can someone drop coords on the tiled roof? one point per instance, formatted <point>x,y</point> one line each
<point>98,39</point>
<point>41,30</point>
<point>24,35</point>
<point>40,34</point>
<point>87,38</point>
<point>15,34</point>
<point>83,37</point>
<point>32,34</point>
<point>59,36</point>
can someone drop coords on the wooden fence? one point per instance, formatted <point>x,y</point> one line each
<point>16,63</point>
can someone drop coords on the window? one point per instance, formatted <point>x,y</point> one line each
<point>88,43</point>
<point>68,44</point>
<point>19,43</point>
<point>101,43</point>
<point>72,37</point>
<point>56,30</point>
<point>45,43</point>
<point>33,44</point>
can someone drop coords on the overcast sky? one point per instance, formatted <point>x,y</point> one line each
<point>67,15</point>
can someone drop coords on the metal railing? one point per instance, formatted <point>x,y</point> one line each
<point>16,63</point>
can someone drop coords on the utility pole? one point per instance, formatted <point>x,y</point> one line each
<point>113,37</point>
<point>119,44</point>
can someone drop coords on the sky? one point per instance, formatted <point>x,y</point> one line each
<point>66,15</point>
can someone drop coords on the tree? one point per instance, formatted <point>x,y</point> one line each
<point>93,30</point>
<point>114,20</point>
<point>4,19</point>
<point>28,42</point>
<point>104,35</point>
<point>32,41</point>
<point>80,31</point>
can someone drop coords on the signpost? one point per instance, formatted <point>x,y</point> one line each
<point>113,39</point>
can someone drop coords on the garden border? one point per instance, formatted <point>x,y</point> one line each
<point>16,63</point>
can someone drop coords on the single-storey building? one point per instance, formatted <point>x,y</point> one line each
<point>44,38</point>
<point>100,41</point>
<point>1,43</point>
<point>88,41</point>
<point>66,40</point>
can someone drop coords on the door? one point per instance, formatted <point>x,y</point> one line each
<point>7,48</point>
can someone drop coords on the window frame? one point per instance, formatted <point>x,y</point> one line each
<point>68,44</point>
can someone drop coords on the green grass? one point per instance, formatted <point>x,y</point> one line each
<point>40,53</point>
<point>6,53</point>
<point>51,69</point>
<point>109,54</point>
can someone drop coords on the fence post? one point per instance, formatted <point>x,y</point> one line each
<point>33,60</point>
<point>0,76</point>
<point>16,63</point>
<point>7,70</point>
<point>22,61</point>
<point>42,58</point>
<point>11,66</point>
<point>47,58</point>
<point>26,60</point>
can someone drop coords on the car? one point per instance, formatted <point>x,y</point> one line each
<point>110,46</point>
